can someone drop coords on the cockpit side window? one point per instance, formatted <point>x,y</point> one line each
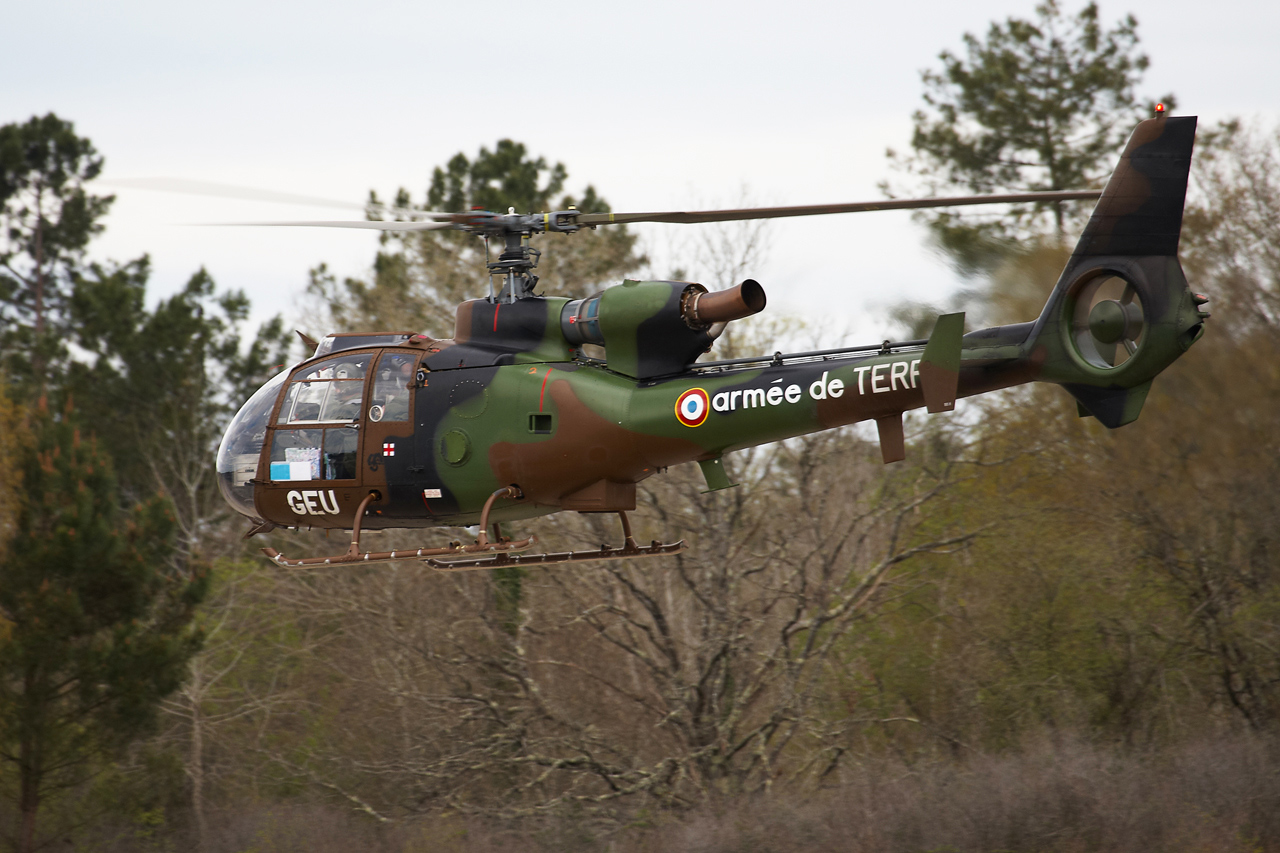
<point>326,391</point>
<point>295,454</point>
<point>313,454</point>
<point>392,386</point>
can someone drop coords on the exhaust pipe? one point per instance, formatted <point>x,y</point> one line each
<point>701,309</point>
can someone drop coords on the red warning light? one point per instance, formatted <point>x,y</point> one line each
<point>1159,109</point>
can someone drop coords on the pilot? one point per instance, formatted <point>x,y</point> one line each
<point>344,402</point>
<point>394,380</point>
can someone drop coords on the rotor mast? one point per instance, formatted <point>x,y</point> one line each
<point>515,264</point>
<point>518,259</point>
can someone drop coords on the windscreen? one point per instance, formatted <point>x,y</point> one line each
<point>242,446</point>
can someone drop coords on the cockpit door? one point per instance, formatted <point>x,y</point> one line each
<point>312,459</point>
<point>388,454</point>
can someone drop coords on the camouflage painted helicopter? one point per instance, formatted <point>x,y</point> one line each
<point>510,420</point>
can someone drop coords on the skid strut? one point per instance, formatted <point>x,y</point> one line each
<point>499,553</point>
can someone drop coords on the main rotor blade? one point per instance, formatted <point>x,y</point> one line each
<point>340,223</point>
<point>819,209</point>
<point>209,188</point>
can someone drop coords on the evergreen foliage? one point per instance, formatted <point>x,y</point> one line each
<point>1038,105</point>
<point>97,603</point>
<point>48,219</point>
<point>160,384</point>
<point>496,180</point>
<point>97,617</point>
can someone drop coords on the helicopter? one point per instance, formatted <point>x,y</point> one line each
<point>510,419</point>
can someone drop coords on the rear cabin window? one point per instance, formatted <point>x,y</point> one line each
<point>391,387</point>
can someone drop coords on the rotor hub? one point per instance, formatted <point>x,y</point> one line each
<point>1107,321</point>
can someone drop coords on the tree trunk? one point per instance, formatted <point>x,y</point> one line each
<point>195,766</point>
<point>29,773</point>
<point>30,805</point>
<point>37,355</point>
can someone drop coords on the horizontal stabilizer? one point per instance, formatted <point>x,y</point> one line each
<point>940,364</point>
<point>1113,407</point>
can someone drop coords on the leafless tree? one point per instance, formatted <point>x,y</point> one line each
<point>683,679</point>
<point>244,684</point>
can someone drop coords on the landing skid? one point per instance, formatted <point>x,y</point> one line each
<point>504,552</point>
<point>657,549</point>
<point>370,557</point>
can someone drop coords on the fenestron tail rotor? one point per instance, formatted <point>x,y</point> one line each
<point>1107,321</point>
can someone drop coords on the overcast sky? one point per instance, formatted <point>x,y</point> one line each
<point>660,105</point>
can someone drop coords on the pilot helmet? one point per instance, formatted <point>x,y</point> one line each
<point>346,370</point>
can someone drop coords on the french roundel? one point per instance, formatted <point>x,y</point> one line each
<point>692,407</point>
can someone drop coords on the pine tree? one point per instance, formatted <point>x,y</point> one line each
<point>160,383</point>
<point>96,617</point>
<point>418,278</point>
<point>48,219</point>
<point>1036,105</point>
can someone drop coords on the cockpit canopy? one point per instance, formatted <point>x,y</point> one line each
<point>314,435</point>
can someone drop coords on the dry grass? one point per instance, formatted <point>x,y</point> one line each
<point>1221,795</point>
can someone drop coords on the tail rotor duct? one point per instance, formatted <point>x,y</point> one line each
<point>1108,322</point>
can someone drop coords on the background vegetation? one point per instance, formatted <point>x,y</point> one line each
<point>1032,634</point>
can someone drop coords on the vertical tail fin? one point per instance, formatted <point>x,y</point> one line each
<point>1140,212</point>
<point>1122,311</point>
